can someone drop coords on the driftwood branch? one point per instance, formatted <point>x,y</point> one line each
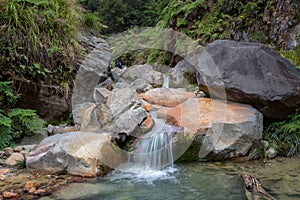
<point>254,189</point>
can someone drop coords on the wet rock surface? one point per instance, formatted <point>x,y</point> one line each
<point>21,184</point>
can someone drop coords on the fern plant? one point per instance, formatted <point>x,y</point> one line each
<point>285,135</point>
<point>16,123</point>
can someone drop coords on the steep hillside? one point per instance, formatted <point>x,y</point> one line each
<point>265,21</point>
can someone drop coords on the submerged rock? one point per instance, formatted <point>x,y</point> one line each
<point>250,73</point>
<point>214,129</point>
<point>77,153</point>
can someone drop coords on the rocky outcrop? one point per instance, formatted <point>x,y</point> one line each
<point>50,102</point>
<point>125,110</point>
<point>53,104</point>
<point>212,129</point>
<point>77,153</point>
<point>250,73</point>
<point>143,77</point>
<point>116,109</point>
<point>91,70</point>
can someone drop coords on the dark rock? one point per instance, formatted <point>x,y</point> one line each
<point>183,74</point>
<point>2,154</point>
<point>49,101</point>
<point>250,73</point>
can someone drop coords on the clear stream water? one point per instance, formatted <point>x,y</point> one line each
<point>143,179</point>
<point>195,180</point>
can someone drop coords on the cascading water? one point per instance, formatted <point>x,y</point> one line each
<point>154,149</point>
<point>166,81</point>
<point>152,158</point>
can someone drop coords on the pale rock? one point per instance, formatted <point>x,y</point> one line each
<point>14,158</point>
<point>166,96</point>
<point>271,153</point>
<point>79,153</point>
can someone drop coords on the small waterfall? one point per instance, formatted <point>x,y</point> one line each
<point>166,81</point>
<point>154,149</point>
<point>152,158</point>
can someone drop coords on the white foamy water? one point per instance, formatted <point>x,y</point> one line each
<point>152,158</point>
<point>166,81</point>
<point>134,174</point>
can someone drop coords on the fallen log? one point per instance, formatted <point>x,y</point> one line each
<point>254,189</point>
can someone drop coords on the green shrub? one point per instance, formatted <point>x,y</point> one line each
<point>292,55</point>
<point>284,136</point>
<point>38,39</point>
<point>16,123</point>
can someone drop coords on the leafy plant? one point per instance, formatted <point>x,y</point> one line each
<point>38,39</point>
<point>284,136</point>
<point>293,55</point>
<point>16,123</point>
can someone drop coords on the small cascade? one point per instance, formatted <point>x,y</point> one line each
<point>166,81</point>
<point>154,149</point>
<point>152,158</point>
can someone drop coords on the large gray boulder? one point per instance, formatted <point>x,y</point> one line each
<point>250,73</point>
<point>77,153</point>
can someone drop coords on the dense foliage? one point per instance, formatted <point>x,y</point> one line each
<point>15,123</point>
<point>38,43</point>
<point>258,21</point>
<point>120,15</point>
<point>284,136</point>
<point>38,39</point>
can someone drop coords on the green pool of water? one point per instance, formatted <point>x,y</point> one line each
<point>197,180</point>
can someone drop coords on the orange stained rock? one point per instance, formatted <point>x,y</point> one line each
<point>10,195</point>
<point>32,190</point>
<point>148,107</point>
<point>166,96</point>
<point>197,114</point>
<point>148,123</point>
<point>3,172</point>
<point>28,185</point>
<point>40,191</point>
